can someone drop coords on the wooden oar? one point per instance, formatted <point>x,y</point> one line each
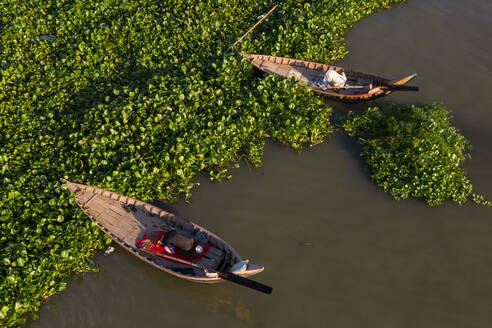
<point>341,87</point>
<point>224,275</point>
<point>252,28</point>
<point>384,87</point>
<point>400,88</point>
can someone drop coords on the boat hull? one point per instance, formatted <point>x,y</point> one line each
<point>365,86</point>
<point>125,220</point>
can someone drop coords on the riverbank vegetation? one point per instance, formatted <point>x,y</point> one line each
<point>138,97</point>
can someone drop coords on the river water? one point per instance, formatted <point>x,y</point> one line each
<point>338,251</point>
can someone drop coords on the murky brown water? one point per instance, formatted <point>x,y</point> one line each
<point>372,261</point>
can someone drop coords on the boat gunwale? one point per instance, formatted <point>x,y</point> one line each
<point>316,63</point>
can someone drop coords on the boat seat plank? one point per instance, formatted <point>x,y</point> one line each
<point>205,262</point>
<point>282,70</point>
<point>214,259</point>
<point>216,251</point>
<point>118,209</point>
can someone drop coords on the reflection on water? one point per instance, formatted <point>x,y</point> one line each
<point>232,306</point>
<point>126,289</point>
<point>215,298</point>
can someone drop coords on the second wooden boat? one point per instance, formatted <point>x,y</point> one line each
<point>164,240</point>
<point>359,86</point>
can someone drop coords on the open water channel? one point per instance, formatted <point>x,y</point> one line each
<point>338,251</point>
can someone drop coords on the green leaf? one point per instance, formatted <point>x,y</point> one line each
<point>3,312</point>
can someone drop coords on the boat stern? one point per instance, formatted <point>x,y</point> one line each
<point>252,269</point>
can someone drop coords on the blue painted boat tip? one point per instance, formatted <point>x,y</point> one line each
<point>412,76</point>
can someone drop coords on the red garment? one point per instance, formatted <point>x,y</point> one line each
<point>155,249</point>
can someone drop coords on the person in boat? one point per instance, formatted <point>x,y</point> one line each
<point>333,79</point>
<point>186,243</point>
<point>177,239</point>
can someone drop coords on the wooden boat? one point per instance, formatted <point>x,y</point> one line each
<point>133,224</point>
<point>360,86</point>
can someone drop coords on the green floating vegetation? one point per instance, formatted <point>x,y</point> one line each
<point>414,152</point>
<point>138,97</point>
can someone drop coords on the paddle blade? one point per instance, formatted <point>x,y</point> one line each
<point>245,282</point>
